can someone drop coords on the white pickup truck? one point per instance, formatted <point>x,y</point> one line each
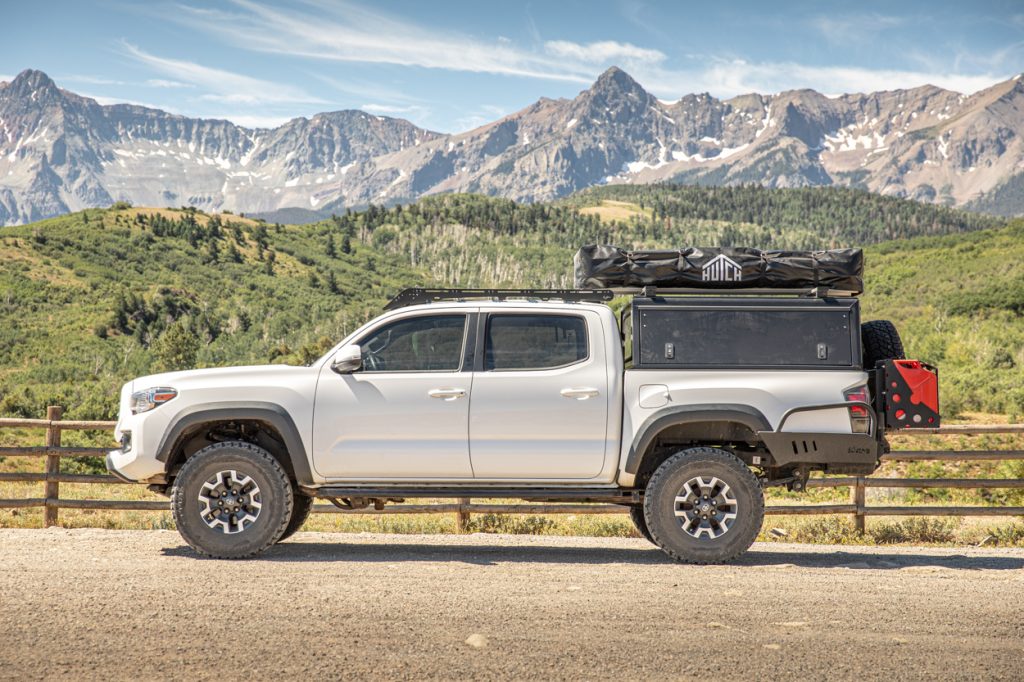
<point>683,410</point>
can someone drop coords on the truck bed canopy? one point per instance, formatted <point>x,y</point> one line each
<point>609,267</point>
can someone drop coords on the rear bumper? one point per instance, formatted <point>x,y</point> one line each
<point>828,450</point>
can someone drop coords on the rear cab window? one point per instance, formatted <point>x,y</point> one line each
<point>534,341</point>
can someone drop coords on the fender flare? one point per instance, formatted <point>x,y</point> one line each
<point>746,415</point>
<point>268,413</point>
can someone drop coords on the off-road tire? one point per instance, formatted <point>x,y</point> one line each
<point>276,500</point>
<point>636,515</point>
<point>302,507</point>
<point>880,341</point>
<point>668,481</point>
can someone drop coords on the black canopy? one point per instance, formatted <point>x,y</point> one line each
<point>602,267</point>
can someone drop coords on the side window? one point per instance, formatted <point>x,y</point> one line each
<point>431,343</point>
<point>534,341</point>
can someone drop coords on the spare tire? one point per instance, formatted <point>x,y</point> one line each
<point>880,341</point>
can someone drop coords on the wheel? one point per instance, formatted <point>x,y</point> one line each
<point>703,505</point>
<point>636,515</point>
<point>231,500</point>
<point>881,341</point>
<point>302,506</point>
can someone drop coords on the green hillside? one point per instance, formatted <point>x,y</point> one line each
<point>805,218</point>
<point>92,299</point>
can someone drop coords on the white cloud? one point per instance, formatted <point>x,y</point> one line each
<point>92,80</point>
<point>388,108</point>
<point>370,91</point>
<point>484,114</point>
<point>855,28</point>
<point>5,79</point>
<point>251,121</point>
<point>220,85</point>
<point>602,52</point>
<point>161,83</point>
<point>107,101</point>
<point>727,78</point>
<point>350,33</point>
<point>413,112</point>
<point>471,122</point>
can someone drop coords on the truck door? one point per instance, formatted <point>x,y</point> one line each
<point>539,407</point>
<point>405,413</point>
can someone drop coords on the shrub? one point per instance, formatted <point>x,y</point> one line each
<point>513,525</point>
<point>1012,535</point>
<point>914,529</point>
<point>830,530</point>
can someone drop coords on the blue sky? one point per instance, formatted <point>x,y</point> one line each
<point>451,66</point>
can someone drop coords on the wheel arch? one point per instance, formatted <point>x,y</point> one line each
<point>705,422</point>
<point>272,417</point>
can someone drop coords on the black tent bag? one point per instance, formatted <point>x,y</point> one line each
<point>609,267</point>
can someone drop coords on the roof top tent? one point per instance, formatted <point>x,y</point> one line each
<point>720,269</point>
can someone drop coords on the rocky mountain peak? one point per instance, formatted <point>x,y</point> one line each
<point>32,85</point>
<point>616,82</point>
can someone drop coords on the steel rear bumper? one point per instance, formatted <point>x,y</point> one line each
<point>794,447</point>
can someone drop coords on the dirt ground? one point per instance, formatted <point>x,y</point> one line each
<point>90,603</point>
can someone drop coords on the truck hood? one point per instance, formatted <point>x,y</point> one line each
<point>221,376</point>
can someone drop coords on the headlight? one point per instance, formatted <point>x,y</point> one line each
<point>144,401</point>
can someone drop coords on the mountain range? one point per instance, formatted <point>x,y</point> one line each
<point>62,152</point>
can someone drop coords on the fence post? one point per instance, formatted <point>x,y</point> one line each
<point>52,488</point>
<point>462,516</point>
<point>857,499</point>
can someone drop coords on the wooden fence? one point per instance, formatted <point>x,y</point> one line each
<point>53,451</point>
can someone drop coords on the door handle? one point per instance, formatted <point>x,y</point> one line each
<point>579,393</point>
<point>447,393</point>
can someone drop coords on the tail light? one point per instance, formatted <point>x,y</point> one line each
<point>860,418</point>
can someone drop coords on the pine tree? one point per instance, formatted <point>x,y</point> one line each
<point>176,348</point>
<point>346,245</point>
<point>330,251</point>
<point>332,283</point>
<point>212,251</point>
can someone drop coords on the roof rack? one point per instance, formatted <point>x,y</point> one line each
<point>417,295</point>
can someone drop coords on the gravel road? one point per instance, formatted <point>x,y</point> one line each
<point>140,604</point>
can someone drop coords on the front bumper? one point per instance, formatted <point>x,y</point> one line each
<point>133,466</point>
<point>113,469</point>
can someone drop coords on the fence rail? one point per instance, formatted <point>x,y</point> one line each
<point>53,451</point>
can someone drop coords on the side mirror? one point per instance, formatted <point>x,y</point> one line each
<point>347,360</point>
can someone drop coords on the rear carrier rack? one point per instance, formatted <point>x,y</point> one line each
<point>910,391</point>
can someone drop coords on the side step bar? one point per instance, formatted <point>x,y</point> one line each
<point>605,495</point>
